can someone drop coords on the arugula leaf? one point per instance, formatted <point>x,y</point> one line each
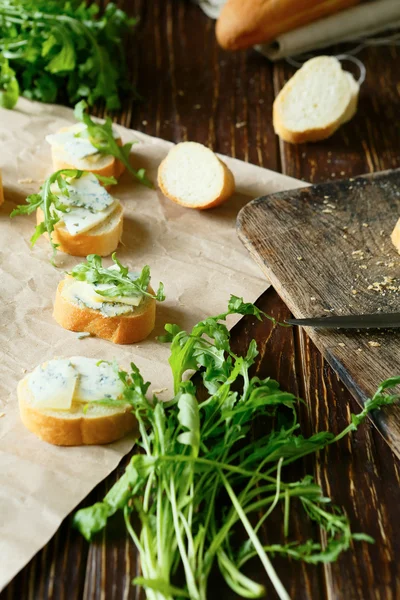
<point>50,202</point>
<point>121,283</point>
<point>102,138</point>
<point>66,50</point>
<point>9,88</point>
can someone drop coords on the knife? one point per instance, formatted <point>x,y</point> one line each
<point>372,321</point>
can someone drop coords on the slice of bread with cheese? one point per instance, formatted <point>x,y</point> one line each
<point>71,151</point>
<point>315,101</point>
<point>123,320</point>
<point>93,221</point>
<point>193,176</point>
<point>395,237</point>
<point>60,402</point>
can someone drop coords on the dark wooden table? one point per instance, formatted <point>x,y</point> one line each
<point>194,91</point>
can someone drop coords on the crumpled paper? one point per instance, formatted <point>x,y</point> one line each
<point>196,254</point>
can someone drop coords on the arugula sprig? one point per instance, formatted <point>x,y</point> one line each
<point>197,456</point>
<point>102,138</point>
<point>9,88</point>
<point>121,283</point>
<point>51,203</point>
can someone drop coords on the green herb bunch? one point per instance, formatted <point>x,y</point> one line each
<point>120,281</point>
<point>60,47</point>
<point>51,203</point>
<point>9,88</point>
<point>200,475</point>
<point>101,137</point>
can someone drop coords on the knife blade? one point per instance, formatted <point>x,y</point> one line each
<point>368,321</point>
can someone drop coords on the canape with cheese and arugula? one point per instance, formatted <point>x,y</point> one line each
<point>76,213</point>
<point>92,146</point>
<point>75,401</point>
<point>108,302</point>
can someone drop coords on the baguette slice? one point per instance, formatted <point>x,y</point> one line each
<point>193,176</point>
<point>315,101</point>
<point>105,165</point>
<point>122,329</point>
<point>395,237</point>
<point>99,425</point>
<point>101,240</point>
<point>244,23</point>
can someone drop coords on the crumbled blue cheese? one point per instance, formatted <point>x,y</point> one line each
<point>96,381</point>
<point>53,384</point>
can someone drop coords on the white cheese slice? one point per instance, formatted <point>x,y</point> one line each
<point>81,291</point>
<point>53,384</point>
<point>78,147</point>
<point>86,192</point>
<point>96,381</point>
<point>80,220</point>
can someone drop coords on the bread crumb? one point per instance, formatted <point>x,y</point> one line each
<point>313,298</point>
<point>144,122</point>
<point>299,258</point>
<point>344,236</point>
<point>240,124</point>
<point>354,292</point>
<point>160,390</point>
<point>365,225</point>
<point>374,344</point>
<point>342,345</point>
<point>359,349</point>
<point>197,106</point>
<point>2,414</point>
<point>342,173</point>
<point>181,93</point>
<point>327,210</point>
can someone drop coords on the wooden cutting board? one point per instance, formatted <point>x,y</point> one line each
<point>327,250</point>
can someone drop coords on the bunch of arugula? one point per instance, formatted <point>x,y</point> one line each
<point>101,137</point>
<point>66,48</point>
<point>51,203</point>
<point>197,456</point>
<point>120,281</point>
<point>9,88</point>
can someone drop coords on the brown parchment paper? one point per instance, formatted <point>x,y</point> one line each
<point>196,254</point>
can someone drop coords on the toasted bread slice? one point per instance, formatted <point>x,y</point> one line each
<point>315,101</point>
<point>101,240</point>
<point>98,425</point>
<point>395,237</point>
<point>193,176</point>
<point>123,329</point>
<point>99,164</point>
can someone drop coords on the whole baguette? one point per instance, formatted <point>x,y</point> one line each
<point>101,240</point>
<point>99,425</point>
<point>244,23</point>
<point>122,329</point>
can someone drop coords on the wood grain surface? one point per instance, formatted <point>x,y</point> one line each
<point>327,251</point>
<point>193,90</point>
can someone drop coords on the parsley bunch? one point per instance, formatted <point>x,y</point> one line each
<point>119,280</point>
<point>101,137</point>
<point>200,474</point>
<point>65,50</point>
<point>51,203</point>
